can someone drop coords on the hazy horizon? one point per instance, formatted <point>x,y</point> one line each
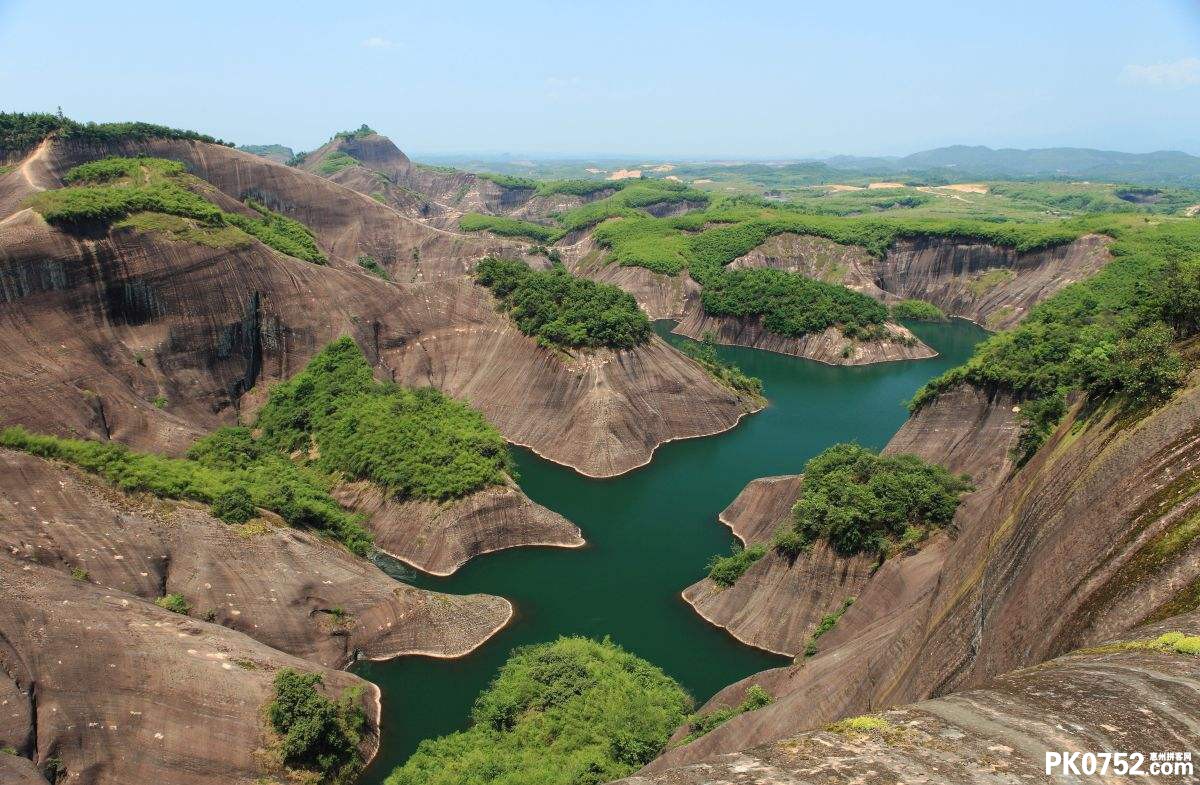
<point>657,80</point>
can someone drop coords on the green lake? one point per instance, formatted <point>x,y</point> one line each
<point>650,534</point>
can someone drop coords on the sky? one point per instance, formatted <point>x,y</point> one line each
<point>699,79</point>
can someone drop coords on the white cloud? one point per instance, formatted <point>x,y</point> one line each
<point>376,42</point>
<point>1180,73</point>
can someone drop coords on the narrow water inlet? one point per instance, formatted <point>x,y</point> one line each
<point>650,534</point>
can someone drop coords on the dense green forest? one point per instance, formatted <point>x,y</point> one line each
<point>415,443</point>
<point>560,309</point>
<point>112,189</point>
<point>572,712</point>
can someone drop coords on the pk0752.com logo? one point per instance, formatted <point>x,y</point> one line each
<point>1119,764</point>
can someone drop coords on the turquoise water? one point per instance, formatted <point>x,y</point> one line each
<point>650,533</point>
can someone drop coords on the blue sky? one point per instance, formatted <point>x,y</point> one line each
<point>669,79</point>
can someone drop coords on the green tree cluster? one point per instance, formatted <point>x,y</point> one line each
<point>560,309</point>
<point>20,132</point>
<point>860,501</point>
<point>414,442</point>
<point>728,374</point>
<point>317,734</point>
<point>572,712</point>
<point>726,570</point>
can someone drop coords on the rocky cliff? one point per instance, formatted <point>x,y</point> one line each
<point>1093,536</point>
<point>988,284</point>
<point>829,346</point>
<point>99,327</point>
<point>439,538</point>
<point>1104,699</point>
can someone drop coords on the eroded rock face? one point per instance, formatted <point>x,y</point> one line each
<point>988,284</point>
<point>1081,544</point>
<point>829,346</point>
<point>95,330</point>
<point>125,692</point>
<point>1087,701</point>
<point>440,538</point>
<point>280,586</point>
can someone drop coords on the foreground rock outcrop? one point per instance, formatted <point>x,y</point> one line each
<point>1088,701</point>
<point>439,538</point>
<point>283,587</point>
<point>1090,538</point>
<point>119,691</point>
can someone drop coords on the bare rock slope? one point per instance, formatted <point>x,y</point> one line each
<point>283,587</point>
<point>1092,700</point>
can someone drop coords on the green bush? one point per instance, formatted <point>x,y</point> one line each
<point>572,712</point>
<point>376,269</point>
<point>860,501</point>
<point>560,309</point>
<point>725,570</point>
<point>700,724</point>
<point>234,505</point>
<point>917,310</point>
<point>414,442</point>
<point>361,132</point>
<point>175,603</point>
<point>315,733</point>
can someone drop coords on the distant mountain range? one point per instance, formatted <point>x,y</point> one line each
<point>1077,163</point>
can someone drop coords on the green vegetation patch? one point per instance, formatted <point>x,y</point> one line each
<point>175,603</point>
<point>572,712</point>
<point>827,623</point>
<point>134,189</point>
<point>315,733</point>
<point>362,132</point>
<point>917,310</point>
<point>863,725</point>
<point>507,227</point>
<point>372,266</point>
<point>1170,643</point>
<point>335,162</point>
<point>863,502</point>
<point>560,309</point>
<point>20,132</point>
<point>728,374</point>
<point>700,724</point>
<point>414,442</point>
<point>726,570</point>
